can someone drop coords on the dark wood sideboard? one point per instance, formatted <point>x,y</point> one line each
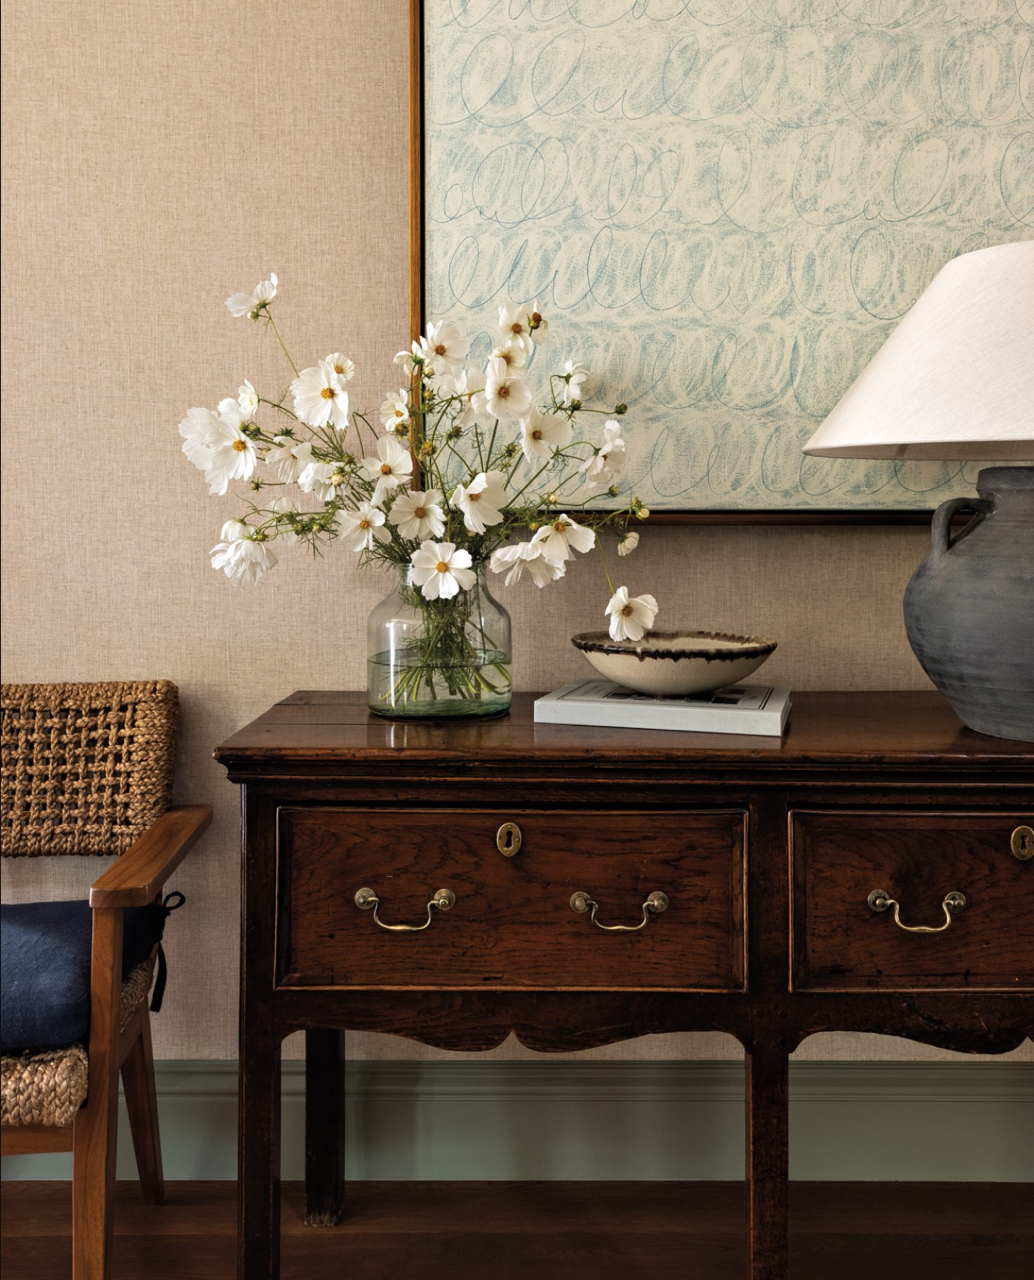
<point>771,857</point>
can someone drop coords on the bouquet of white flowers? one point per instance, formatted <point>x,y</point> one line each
<point>467,471</point>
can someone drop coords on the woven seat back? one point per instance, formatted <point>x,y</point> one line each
<point>84,768</point>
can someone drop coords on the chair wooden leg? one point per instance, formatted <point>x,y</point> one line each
<point>95,1131</point>
<point>142,1105</point>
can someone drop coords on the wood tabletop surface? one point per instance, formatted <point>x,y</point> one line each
<point>898,728</point>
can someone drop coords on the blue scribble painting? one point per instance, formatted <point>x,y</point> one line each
<point>724,207</point>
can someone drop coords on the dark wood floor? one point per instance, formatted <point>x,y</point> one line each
<point>542,1231</point>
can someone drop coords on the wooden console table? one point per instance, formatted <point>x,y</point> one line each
<point>872,871</point>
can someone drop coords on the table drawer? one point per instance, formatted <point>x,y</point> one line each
<point>513,875</point>
<point>851,868</point>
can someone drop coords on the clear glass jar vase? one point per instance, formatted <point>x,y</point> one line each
<point>438,658</point>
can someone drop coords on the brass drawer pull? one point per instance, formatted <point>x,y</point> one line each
<point>1021,843</point>
<point>508,839</point>
<point>654,904</point>
<point>367,900</point>
<point>880,900</point>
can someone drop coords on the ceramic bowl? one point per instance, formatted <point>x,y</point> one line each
<point>669,664</point>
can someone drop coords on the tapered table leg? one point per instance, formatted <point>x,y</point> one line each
<point>768,1165</point>
<point>324,1127</point>
<point>258,1162</point>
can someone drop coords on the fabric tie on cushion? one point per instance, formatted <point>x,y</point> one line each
<point>170,903</point>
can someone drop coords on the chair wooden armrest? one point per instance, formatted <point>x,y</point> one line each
<point>139,874</point>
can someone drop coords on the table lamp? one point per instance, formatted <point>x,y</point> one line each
<point>955,381</point>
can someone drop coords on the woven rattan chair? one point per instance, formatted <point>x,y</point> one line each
<point>87,769</point>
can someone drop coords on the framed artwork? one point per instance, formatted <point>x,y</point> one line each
<point>723,207</point>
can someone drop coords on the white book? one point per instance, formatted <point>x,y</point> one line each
<point>741,708</point>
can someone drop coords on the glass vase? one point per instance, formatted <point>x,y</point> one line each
<point>438,658</point>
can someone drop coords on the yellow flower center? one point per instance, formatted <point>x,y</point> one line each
<point>420,512</point>
<point>560,525</point>
<point>364,524</point>
<point>627,611</point>
<point>400,413</point>
<point>327,393</point>
<point>385,468</point>
<point>339,368</point>
<point>441,567</point>
<point>473,497</point>
<point>239,446</point>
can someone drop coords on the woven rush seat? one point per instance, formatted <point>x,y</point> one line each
<point>49,1087</point>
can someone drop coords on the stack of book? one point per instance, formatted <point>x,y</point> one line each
<point>742,708</point>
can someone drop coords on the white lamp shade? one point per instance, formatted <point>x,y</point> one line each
<point>955,380</point>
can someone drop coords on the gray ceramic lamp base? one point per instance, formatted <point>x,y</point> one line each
<point>969,608</point>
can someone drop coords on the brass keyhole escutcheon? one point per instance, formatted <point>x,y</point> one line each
<point>508,839</point>
<point>1021,843</point>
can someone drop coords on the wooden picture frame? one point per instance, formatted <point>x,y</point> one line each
<point>943,239</point>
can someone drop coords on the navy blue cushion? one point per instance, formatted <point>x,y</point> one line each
<point>45,969</point>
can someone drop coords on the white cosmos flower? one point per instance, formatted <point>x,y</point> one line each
<point>418,515</point>
<point>537,324</point>
<point>392,466</point>
<point>395,411</point>
<point>481,501</point>
<point>628,543</point>
<point>518,556</point>
<point>575,374</point>
<point>630,617</point>
<point>247,398</point>
<point>506,394</point>
<point>512,354</point>
<point>232,411</point>
<point>560,535</point>
<point>234,530</point>
<point>360,528</point>
<point>464,385</point>
<point>242,555</point>
<point>231,455</point>
<point>543,433</point>
<point>320,397</point>
<point>444,347</point>
<point>253,304</point>
<point>342,366</point>
<point>322,479</point>
<point>197,429</point>
<point>289,458</point>
<point>441,571</point>
<point>409,357</point>
<point>284,507</point>
<point>607,464</point>
<point>514,326</point>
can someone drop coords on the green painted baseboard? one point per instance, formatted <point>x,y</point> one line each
<point>952,1121</point>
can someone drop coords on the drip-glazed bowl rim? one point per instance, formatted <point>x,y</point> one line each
<point>673,646</point>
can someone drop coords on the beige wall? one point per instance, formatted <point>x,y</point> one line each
<point>157,159</point>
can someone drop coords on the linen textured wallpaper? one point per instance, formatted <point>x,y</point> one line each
<point>155,163</point>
